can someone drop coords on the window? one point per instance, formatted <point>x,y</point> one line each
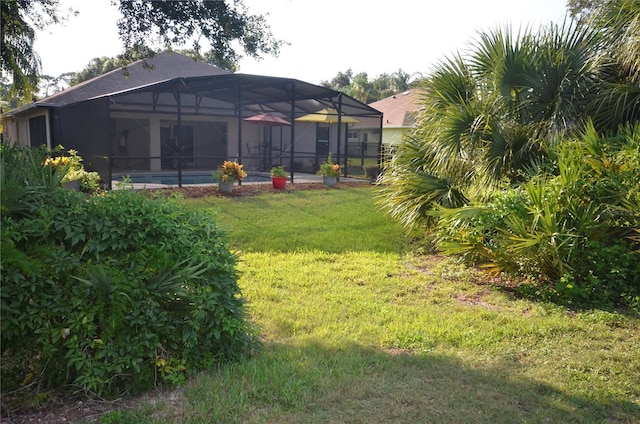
<point>38,131</point>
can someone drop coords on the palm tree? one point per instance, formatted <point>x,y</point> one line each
<point>488,116</point>
<point>17,57</point>
<point>619,98</point>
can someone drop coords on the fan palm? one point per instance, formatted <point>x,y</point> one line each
<point>619,98</point>
<point>488,116</point>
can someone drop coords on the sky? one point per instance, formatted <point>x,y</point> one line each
<point>324,37</point>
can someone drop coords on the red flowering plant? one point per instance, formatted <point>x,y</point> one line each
<point>229,171</point>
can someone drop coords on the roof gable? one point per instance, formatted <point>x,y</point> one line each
<point>164,66</point>
<point>400,110</point>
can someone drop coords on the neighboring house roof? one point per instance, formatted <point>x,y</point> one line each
<point>164,66</point>
<point>399,110</point>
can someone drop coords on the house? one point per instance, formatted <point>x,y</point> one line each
<point>181,115</point>
<point>29,124</point>
<point>400,112</point>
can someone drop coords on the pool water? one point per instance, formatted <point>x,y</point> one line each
<point>190,179</point>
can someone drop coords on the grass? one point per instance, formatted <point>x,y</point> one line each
<point>356,329</point>
<point>331,221</point>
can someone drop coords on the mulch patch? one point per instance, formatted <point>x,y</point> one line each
<point>245,190</point>
<point>80,409</point>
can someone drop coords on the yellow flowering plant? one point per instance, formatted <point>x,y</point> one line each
<point>328,168</point>
<point>57,162</point>
<point>230,171</point>
<point>73,170</point>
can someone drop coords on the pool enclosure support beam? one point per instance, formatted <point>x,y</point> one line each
<point>178,140</point>
<point>346,147</point>
<point>109,159</point>
<point>240,128</point>
<point>380,152</point>
<point>339,127</point>
<point>293,129</point>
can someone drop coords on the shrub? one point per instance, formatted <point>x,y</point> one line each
<point>116,292</point>
<point>27,175</point>
<point>24,181</point>
<point>609,276</point>
<point>278,171</point>
<point>472,231</point>
<point>571,230</point>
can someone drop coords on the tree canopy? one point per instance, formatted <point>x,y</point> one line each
<point>220,23</point>
<point>582,8</point>
<point>18,60</point>
<point>226,27</point>
<point>360,88</point>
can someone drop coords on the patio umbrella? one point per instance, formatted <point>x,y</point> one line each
<point>327,115</point>
<point>268,121</point>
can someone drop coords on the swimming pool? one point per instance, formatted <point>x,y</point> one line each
<point>190,179</point>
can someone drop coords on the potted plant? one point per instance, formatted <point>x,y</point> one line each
<point>279,177</point>
<point>330,171</point>
<point>75,177</point>
<point>227,174</point>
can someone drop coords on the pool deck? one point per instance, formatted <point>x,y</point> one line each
<point>300,178</point>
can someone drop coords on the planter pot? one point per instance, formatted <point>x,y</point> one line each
<point>72,185</point>
<point>226,186</point>
<point>329,181</point>
<point>279,182</point>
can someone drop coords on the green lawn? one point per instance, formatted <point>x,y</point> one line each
<point>357,329</point>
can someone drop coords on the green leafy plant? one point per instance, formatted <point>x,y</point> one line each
<point>563,227</point>
<point>328,168</point>
<point>278,171</point>
<point>24,182</point>
<point>125,183</point>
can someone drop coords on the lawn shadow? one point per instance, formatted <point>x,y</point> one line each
<point>540,293</point>
<point>310,382</point>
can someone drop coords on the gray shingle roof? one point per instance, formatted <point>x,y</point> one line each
<point>165,66</point>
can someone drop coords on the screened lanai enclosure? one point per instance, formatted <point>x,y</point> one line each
<point>184,126</point>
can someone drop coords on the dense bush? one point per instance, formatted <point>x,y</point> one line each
<point>24,181</point>
<point>115,292</point>
<point>572,229</point>
<point>496,159</point>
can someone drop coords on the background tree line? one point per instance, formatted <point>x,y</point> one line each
<point>384,85</point>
